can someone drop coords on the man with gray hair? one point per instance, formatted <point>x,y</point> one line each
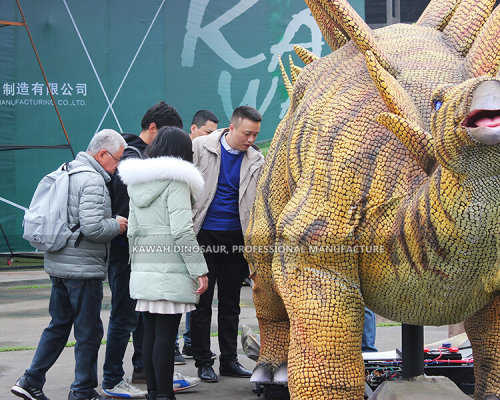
<point>77,271</point>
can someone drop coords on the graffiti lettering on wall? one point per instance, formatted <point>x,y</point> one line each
<point>212,36</point>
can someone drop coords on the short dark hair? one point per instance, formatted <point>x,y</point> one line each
<point>171,141</point>
<point>162,114</point>
<point>202,116</point>
<point>245,112</point>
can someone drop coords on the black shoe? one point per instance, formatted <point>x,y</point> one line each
<point>207,374</point>
<point>151,395</point>
<point>234,368</point>
<point>27,392</point>
<point>179,360</point>
<point>93,396</point>
<point>187,351</point>
<point>138,376</point>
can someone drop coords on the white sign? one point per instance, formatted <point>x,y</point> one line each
<point>37,93</point>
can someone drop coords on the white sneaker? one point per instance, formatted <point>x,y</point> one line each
<point>125,390</point>
<point>182,382</point>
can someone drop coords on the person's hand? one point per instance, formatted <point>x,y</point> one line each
<point>202,284</point>
<point>123,223</point>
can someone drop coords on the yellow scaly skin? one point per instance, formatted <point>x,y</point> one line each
<point>444,235</point>
<point>335,176</point>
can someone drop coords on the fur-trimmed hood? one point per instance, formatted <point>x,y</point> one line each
<point>161,170</point>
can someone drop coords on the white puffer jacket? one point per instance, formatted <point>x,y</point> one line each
<point>165,257</point>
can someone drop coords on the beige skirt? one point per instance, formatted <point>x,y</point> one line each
<point>163,307</point>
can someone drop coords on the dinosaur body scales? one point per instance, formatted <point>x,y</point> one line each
<point>386,173</point>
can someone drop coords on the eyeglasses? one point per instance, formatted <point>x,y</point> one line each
<point>112,156</point>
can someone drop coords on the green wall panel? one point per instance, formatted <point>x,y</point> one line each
<point>108,61</point>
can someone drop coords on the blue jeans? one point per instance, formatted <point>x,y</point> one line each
<point>123,320</point>
<point>73,302</point>
<point>369,331</point>
<point>187,333</point>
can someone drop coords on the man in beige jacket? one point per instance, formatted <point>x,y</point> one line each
<point>231,166</point>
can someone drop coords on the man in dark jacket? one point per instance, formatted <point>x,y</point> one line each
<point>123,319</point>
<point>204,123</point>
<point>77,271</point>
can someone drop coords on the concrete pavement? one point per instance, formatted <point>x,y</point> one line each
<point>24,314</point>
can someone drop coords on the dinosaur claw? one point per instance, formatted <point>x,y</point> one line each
<point>262,374</point>
<point>281,375</point>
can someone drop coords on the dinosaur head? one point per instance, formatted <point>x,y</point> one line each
<point>453,40</point>
<point>483,121</point>
<point>465,126</point>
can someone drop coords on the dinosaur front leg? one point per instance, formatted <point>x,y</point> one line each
<point>273,323</point>
<point>274,329</point>
<point>483,330</point>
<point>260,236</point>
<point>326,318</point>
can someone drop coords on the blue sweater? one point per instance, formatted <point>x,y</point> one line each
<point>223,213</point>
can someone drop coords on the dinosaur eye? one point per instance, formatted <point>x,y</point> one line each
<point>437,104</point>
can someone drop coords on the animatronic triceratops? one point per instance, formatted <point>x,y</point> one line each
<point>381,187</point>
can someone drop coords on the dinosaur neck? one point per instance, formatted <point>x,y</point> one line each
<point>459,195</point>
<point>448,220</point>
<point>482,190</point>
<point>455,218</point>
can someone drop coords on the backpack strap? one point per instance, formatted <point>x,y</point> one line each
<point>81,169</point>
<point>135,149</point>
<point>80,235</point>
<point>71,172</point>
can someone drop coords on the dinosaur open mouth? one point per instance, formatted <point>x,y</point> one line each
<point>482,119</point>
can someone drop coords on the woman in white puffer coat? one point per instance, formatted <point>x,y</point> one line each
<point>168,270</point>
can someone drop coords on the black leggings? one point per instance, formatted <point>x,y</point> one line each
<point>160,332</point>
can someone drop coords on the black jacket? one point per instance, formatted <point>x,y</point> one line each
<point>119,194</point>
<point>117,189</point>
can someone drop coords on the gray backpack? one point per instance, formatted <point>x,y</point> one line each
<point>46,220</point>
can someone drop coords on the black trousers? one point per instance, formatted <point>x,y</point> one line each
<point>160,332</point>
<point>226,268</point>
<point>123,320</point>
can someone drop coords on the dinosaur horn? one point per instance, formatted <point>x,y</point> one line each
<point>286,80</point>
<point>484,55</point>
<point>438,13</point>
<point>294,70</point>
<point>349,21</point>
<point>419,143</point>
<point>466,22</point>
<point>331,32</point>
<point>305,55</point>
<point>395,97</point>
